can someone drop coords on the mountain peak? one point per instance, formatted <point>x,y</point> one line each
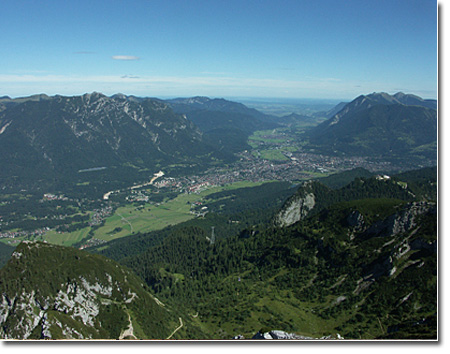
<point>401,96</point>
<point>120,96</point>
<point>93,96</point>
<point>382,98</point>
<point>382,125</point>
<point>406,99</point>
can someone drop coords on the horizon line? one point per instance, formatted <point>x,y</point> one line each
<point>228,97</point>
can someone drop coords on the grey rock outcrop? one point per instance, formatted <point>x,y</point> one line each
<point>80,300</point>
<point>296,210</point>
<point>400,222</point>
<point>356,220</point>
<point>297,207</point>
<point>89,297</point>
<point>282,335</point>
<point>277,334</point>
<point>399,229</point>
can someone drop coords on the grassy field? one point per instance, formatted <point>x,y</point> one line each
<point>268,145</point>
<point>66,238</point>
<point>12,241</point>
<point>130,219</point>
<point>260,136</point>
<point>273,155</point>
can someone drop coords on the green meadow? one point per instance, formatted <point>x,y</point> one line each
<point>66,238</point>
<point>131,218</point>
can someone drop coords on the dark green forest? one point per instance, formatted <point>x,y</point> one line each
<point>341,270</point>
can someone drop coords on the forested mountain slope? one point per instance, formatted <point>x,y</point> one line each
<point>342,271</point>
<point>54,292</point>
<point>225,124</point>
<point>56,137</point>
<point>381,125</point>
<point>313,196</point>
<point>362,265</point>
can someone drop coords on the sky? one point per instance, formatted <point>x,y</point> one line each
<point>327,49</point>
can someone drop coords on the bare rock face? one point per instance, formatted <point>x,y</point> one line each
<point>296,211</point>
<point>282,335</point>
<point>23,316</point>
<point>355,220</point>
<point>297,207</point>
<point>55,292</point>
<point>400,222</point>
<point>399,230</point>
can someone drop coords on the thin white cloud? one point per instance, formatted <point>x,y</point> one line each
<point>21,85</point>
<point>178,80</point>
<point>214,73</point>
<point>125,57</point>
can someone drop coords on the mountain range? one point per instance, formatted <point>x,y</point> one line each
<point>399,126</point>
<point>48,138</point>
<point>352,255</point>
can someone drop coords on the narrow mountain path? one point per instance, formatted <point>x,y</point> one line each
<point>126,220</point>
<point>129,332</point>
<point>176,329</point>
<point>157,301</point>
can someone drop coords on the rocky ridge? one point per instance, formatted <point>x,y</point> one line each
<point>73,295</point>
<point>400,232</point>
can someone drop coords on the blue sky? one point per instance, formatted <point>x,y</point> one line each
<point>235,48</point>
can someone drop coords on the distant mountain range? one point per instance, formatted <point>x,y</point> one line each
<point>295,118</point>
<point>225,124</point>
<point>45,137</point>
<point>50,139</point>
<point>397,126</point>
<point>201,103</point>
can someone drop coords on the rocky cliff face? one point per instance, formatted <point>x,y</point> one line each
<point>296,210</point>
<point>28,314</point>
<point>401,222</point>
<point>51,292</point>
<point>402,234</point>
<point>297,207</point>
